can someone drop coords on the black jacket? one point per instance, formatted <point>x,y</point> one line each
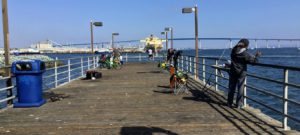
<point>239,60</point>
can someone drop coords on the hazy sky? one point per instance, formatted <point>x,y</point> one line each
<point>67,21</point>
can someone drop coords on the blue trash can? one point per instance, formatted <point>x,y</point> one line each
<point>29,83</point>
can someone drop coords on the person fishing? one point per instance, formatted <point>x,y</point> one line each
<point>177,54</point>
<point>240,57</point>
<point>170,54</point>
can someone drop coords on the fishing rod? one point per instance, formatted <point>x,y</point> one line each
<point>205,88</point>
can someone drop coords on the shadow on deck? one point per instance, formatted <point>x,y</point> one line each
<point>124,102</point>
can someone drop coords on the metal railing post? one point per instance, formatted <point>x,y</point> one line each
<point>97,61</point>
<point>94,64</point>
<point>181,63</point>
<point>195,70</point>
<point>81,62</point>
<point>126,57</point>
<point>140,57</point>
<point>203,69</point>
<point>55,72</point>
<point>216,76</point>
<point>89,63</point>
<point>285,98</point>
<point>186,63</point>
<point>69,70</point>
<point>245,93</point>
<point>190,64</point>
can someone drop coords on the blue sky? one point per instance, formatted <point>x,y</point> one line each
<point>67,21</point>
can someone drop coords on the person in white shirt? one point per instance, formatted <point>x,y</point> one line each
<point>150,53</point>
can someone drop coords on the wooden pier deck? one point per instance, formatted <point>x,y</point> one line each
<point>123,102</point>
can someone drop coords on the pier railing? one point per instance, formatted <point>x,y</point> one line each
<point>74,68</point>
<point>67,70</point>
<point>63,71</point>
<point>6,93</point>
<point>210,73</point>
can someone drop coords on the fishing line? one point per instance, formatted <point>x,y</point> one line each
<point>205,88</point>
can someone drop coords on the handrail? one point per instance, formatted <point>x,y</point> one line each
<point>191,67</point>
<point>254,64</point>
<point>6,99</point>
<point>264,39</point>
<point>6,88</point>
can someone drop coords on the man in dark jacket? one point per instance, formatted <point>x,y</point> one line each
<point>238,70</point>
<point>170,54</point>
<point>177,54</point>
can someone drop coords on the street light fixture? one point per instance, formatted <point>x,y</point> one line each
<point>195,10</point>
<point>92,24</point>
<point>188,10</point>
<point>112,38</point>
<point>166,34</point>
<point>171,30</point>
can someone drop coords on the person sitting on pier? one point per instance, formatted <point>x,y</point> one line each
<point>240,57</point>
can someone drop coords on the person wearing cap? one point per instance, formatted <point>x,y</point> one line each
<point>240,57</point>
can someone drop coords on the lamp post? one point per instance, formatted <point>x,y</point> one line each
<point>166,34</point>
<point>171,30</point>
<point>6,49</point>
<point>112,38</point>
<point>92,24</point>
<point>195,10</point>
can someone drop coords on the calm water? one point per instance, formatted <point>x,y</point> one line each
<point>283,56</point>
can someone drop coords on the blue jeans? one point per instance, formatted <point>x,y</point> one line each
<point>236,81</point>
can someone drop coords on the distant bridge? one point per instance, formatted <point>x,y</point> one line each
<point>230,40</point>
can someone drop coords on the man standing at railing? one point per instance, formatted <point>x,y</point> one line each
<point>240,57</point>
<point>170,54</point>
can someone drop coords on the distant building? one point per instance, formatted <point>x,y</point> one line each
<point>44,46</point>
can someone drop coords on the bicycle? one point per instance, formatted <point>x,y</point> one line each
<point>116,64</point>
<point>178,81</point>
<point>181,83</point>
